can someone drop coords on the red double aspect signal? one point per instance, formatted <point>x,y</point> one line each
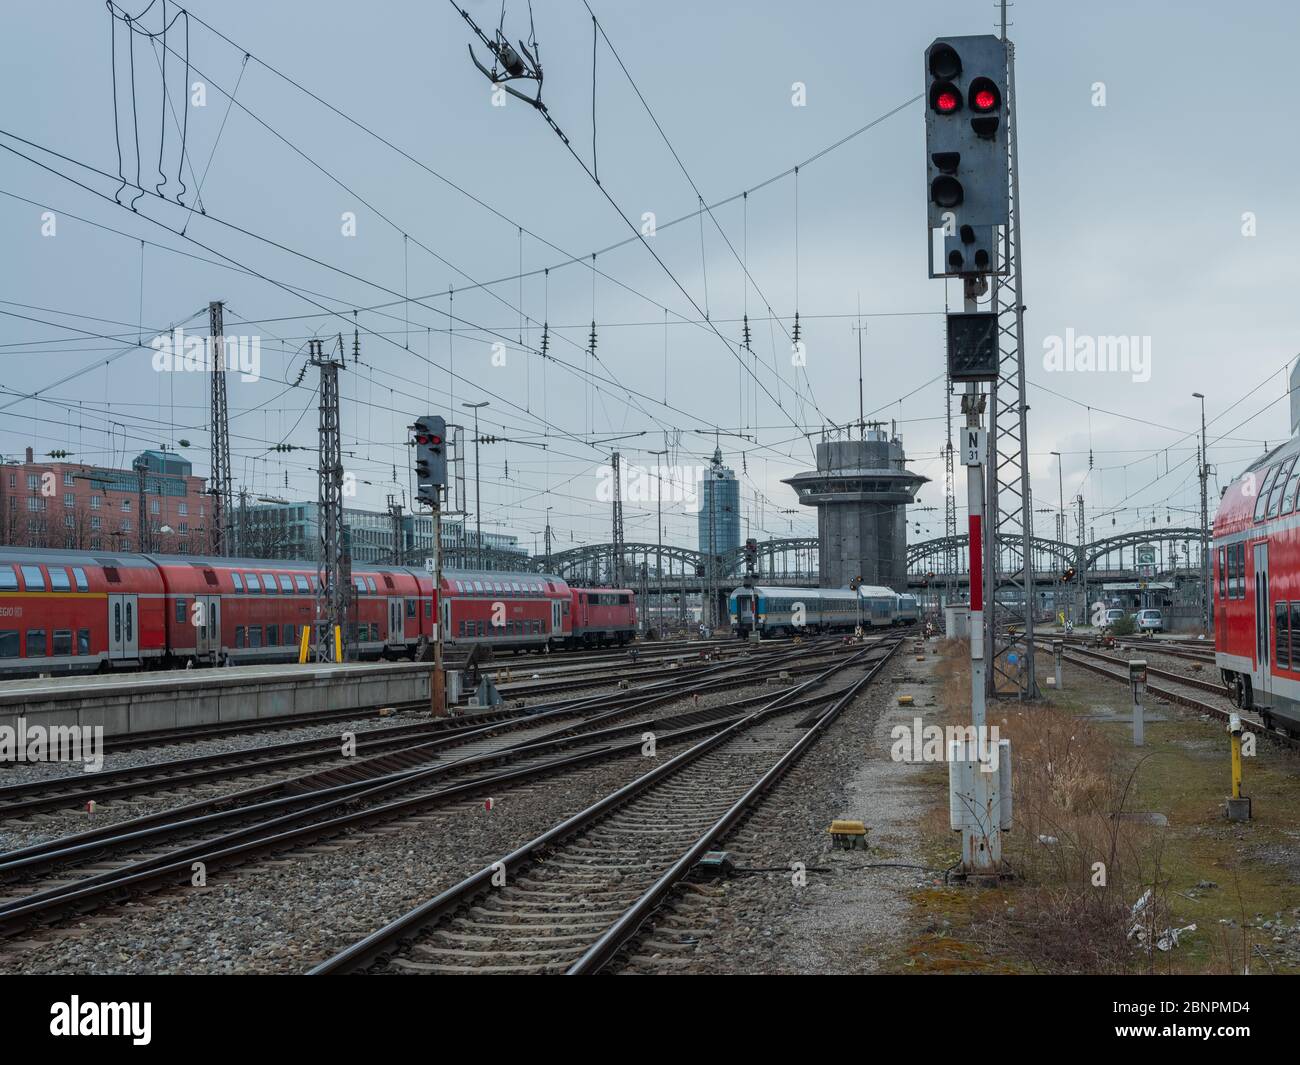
<point>966,150</point>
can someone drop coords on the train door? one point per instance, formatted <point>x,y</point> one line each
<point>123,630</point>
<point>395,633</point>
<point>1262,681</point>
<point>557,627</point>
<point>445,613</point>
<point>207,626</point>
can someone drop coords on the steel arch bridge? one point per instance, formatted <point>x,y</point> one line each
<point>1083,558</point>
<point>669,569</point>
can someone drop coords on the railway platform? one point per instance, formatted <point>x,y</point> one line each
<point>145,702</point>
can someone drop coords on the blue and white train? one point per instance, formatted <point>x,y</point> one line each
<point>773,611</point>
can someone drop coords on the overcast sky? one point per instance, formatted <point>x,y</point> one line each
<point>1135,223</point>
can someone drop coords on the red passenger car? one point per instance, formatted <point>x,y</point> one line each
<point>68,611</point>
<point>1257,588</point>
<point>509,611</point>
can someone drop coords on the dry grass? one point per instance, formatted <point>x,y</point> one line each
<point>1080,862</point>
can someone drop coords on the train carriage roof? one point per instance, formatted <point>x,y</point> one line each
<point>64,557</point>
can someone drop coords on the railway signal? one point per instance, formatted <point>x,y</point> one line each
<point>966,150</point>
<point>429,437</point>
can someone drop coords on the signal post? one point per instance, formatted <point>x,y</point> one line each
<point>429,435</point>
<point>968,170</point>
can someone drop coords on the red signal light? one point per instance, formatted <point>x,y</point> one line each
<point>946,102</point>
<point>434,439</point>
<point>985,100</point>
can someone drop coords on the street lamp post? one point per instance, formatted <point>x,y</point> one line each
<point>1060,514</point>
<point>1205,525</point>
<point>659,528</point>
<point>478,509</point>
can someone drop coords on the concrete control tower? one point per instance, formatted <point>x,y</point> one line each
<point>861,490</point>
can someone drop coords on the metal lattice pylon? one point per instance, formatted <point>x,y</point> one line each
<point>1008,560</point>
<point>616,544</point>
<point>219,482</point>
<point>331,595</point>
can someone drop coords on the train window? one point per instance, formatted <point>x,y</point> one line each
<point>1279,486</point>
<point>1288,497</point>
<point>300,582</point>
<point>79,575</point>
<point>180,611</point>
<point>359,585</point>
<point>410,608</point>
<point>1222,575</point>
<point>35,643</point>
<point>83,641</point>
<point>428,609</point>
<point>59,581</point>
<point>272,635</point>
<point>254,635</point>
<point>238,580</point>
<point>268,583</point>
<point>63,641</point>
<point>33,578</point>
<point>460,629</point>
<point>290,634</point>
<point>117,622</point>
<point>1266,486</point>
<point>1281,635</point>
<point>130,622</point>
<point>286,583</point>
<point>8,579</point>
<point>240,640</point>
<point>252,583</point>
<point>370,583</point>
<point>479,628</point>
<point>111,575</point>
<point>1295,635</point>
<point>8,643</point>
<point>210,577</point>
<point>1241,571</point>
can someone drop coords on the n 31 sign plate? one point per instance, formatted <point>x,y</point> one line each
<point>974,446</point>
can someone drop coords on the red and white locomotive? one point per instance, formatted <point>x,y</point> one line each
<point>1257,588</point>
<point>74,611</point>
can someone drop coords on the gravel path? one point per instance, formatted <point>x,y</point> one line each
<point>843,919</point>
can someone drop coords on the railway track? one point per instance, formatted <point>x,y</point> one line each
<point>570,900</point>
<point>408,745</point>
<point>552,665</point>
<point>1097,662</point>
<point>84,872</point>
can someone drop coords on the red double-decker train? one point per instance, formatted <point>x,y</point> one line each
<point>71,611</point>
<point>1257,588</point>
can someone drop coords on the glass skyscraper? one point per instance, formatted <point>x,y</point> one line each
<point>719,509</point>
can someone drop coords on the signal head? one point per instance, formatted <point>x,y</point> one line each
<point>945,97</point>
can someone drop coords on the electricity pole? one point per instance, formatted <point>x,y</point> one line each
<point>219,483</point>
<point>478,506</point>
<point>1205,526</point>
<point>331,595</point>
<point>659,527</point>
<point>616,561</point>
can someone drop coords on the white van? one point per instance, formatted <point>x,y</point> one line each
<point>1150,621</point>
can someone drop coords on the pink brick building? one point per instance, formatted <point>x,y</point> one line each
<point>61,504</point>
